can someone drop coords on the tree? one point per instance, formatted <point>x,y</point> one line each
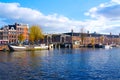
<point>102,39</point>
<point>35,34</point>
<point>21,38</point>
<point>92,41</point>
<point>83,35</point>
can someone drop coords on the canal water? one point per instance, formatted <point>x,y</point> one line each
<point>61,64</point>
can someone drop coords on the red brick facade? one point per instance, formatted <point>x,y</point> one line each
<point>11,32</point>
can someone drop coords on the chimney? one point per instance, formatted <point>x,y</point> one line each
<point>15,24</point>
<point>110,33</point>
<point>71,30</point>
<point>87,32</point>
<point>95,32</point>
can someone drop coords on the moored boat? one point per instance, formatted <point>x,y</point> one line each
<point>118,46</point>
<point>107,47</point>
<point>98,46</point>
<point>22,48</point>
<point>16,48</point>
<point>41,47</point>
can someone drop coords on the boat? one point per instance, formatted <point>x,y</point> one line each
<point>26,47</point>
<point>95,46</point>
<point>16,48</point>
<point>90,46</point>
<point>107,47</point>
<point>118,46</point>
<point>41,47</point>
<point>98,46</point>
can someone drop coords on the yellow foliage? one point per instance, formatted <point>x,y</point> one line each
<point>102,39</point>
<point>35,33</point>
<point>93,41</point>
<point>21,37</point>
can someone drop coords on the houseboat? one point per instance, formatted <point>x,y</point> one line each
<point>27,47</point>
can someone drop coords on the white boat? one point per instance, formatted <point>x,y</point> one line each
<point>41,47</point>
<point>16,48</point>
<point>118,46</point>
<point>107,47</point>
<point>21,48</point>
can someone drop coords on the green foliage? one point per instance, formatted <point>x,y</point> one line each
<point>35,33</point>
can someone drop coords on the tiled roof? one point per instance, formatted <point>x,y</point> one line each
<point>72,34</point>
<point>10,26</point>
<point>113,36</point>
<point>92,35</point>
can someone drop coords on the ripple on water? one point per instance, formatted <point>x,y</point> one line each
<point>63,64</point>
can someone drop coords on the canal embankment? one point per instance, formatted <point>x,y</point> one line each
<point>4,48</point>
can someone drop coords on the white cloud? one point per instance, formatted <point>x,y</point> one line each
<point>102,5</point>
<point>106,16</point>
<point>116,1</point>
<point>108,10</point>
<point>52,23</point>
<point>100,15</point>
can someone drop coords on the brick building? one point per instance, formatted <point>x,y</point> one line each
<point>75,39</point>
<point>97,38</point>
<point>10,33</point>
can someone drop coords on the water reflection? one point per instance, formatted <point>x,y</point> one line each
<point>99,59</point>
<point>62,64</point>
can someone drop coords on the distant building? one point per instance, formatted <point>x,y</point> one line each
<point>75,39</point>
<point>98,38</point>
<point>10,33</point>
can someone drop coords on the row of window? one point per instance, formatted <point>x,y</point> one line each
<point>10,33</point>
<point>12,36</point>
<point>19,29</point>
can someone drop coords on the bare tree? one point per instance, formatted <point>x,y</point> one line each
<point>83,35</point>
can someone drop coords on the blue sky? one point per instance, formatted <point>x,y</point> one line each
<point>56,16</point>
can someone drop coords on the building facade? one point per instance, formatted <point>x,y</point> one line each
<point>10,33</point>
<point>78,39</point>
<point>93,38</point>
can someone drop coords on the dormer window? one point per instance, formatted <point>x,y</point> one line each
<point>12,28</point>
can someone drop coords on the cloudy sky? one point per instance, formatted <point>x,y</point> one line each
<point>56,16</point>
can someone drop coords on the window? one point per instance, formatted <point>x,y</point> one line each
<point>12,28</point>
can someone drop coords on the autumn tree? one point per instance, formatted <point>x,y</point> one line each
<point>35,34</point>
<point>93,41</point>
<point>21,38</point>
<point>102,39</point>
